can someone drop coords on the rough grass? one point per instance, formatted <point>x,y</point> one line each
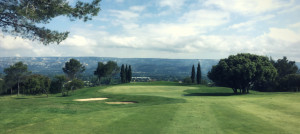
<point>162,107</point>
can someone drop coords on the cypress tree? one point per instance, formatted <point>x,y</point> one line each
<point>129,74</point>
<point>193,74</point>
<point>199,74</point>
<point>122,74</point>
<point>126,72</point>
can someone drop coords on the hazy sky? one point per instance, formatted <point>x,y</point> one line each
<point>193,29</point>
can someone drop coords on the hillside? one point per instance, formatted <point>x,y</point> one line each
<point>162,69</point>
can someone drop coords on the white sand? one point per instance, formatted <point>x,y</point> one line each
<point>90,99</point>
<point>128,102</point>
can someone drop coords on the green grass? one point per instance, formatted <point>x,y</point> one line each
<point>163,107</point>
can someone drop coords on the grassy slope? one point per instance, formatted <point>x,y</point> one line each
<point>162,108</point>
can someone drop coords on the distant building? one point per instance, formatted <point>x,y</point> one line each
<point>140,79</point>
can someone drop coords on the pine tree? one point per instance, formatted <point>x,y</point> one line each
<point>193,74</point>
<point>199,74</point>
<point>23,17</point>
<point>73,68</point>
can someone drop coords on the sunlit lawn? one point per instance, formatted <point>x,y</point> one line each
<point>162,107</point>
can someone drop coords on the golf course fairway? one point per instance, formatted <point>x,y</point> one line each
<point>152,108</point>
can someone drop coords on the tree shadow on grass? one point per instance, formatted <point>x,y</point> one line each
<point>40,97</point>
<point>210,94</point>
<point>197,92</point>
<point>20,98</point>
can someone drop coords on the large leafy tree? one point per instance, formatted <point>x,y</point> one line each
<point>2,89</point>
<point>290,82</point>
<point>199,73</point>
<point>106,70</point>
<point>24,17</point>
<point>72,85</point>
<point>100,71</point>
<point>285,67</point>
<point>111,69</point>
<point>57,84</point>
<point>37,84</point>
<point>9,83</point>
<point>242,71</point>
<point>73,68</point>
<point>16,74</point>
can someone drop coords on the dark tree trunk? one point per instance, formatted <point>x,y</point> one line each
<point>11,91</point>
<point>99,80</point>
<point>72,89</point>
<point>46,92</point>
<point>234,90</point>
<point>244,91</point>
<point>109,80</point>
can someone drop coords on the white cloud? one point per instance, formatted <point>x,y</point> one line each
<point>171,37</point>
<point>250,7</point>
<point>205,17</point>
<point>294,8</point>
<point>250,23</point>
<point>79,41</point>
<point>286,35</point>
<point>124,15</point>
<point>80,45</point>
<point>41,50</point>
<point>137,8</point>
<point>17,55</point>
<point>8,42</point>
<point>16,46</point>
<point>295,25</point>
<point>124,41</point>
<point>172,4</point>
<point>164,29</point>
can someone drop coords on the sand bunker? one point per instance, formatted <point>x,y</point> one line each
<point>90,99</point>
<point>122,102</point>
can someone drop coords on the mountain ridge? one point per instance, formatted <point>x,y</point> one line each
<point>158,68</point>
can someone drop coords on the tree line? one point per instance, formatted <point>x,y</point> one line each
<point>19,80</point>
<point>195,77</point>
<point>126,73</point>
<point>245,71</point>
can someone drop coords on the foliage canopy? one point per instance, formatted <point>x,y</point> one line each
<point>22,17</point>
<point>242,71</point>
<point>106,70</point>
<point>73,68</point>
<point>15,74</point>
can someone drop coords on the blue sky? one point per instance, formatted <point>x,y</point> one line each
<point>184,29</point>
